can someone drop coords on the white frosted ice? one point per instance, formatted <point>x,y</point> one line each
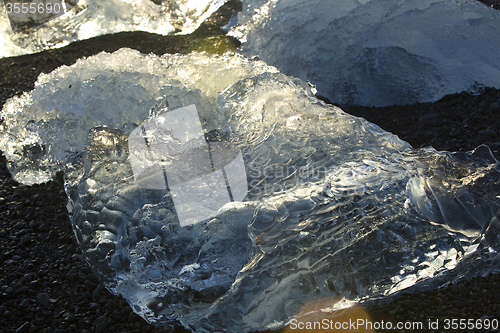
<point>92,18</point>
<point>374,52</point>
<point>335,207</point>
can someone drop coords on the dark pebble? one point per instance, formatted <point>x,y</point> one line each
<point>96,294</point>
<point>24,304</point>
<point>112,304</point>
<point>71,274</point>
<point>25,240</point>
<point>44,227</point>
<point>463,290</point>
<point>488,132</point>
<point>23,328</point>
<point>18,225</point>
<point>90,284</point>
<point>133,317</point>
<point>100,327</point>
<point>43,299</point>
<point>22,289</point>
<point>428,118</point>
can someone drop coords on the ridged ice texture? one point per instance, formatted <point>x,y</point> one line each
<point>336,208</point>
<point>44,127</point>
<point>375,52</point>
<point>91,18</point>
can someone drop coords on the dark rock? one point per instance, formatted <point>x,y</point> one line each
<point>100,327</point>
<point>25,240</point>
<point>94,306</point>
<point>488,132</point>
<point>22,289</point>
<point>112,304</point>
<point>96,294</point>
<point>23,328</point>
<point>455,132</point>
<point>464,292</point>
<point>133,317</point>
<point>429,118</point>
<point>18,225</point>
<point>90,284</point>
<point>44,227</point>
<point>43,299</point>
<point>33,224</point>
<point>71,274</point>
<point>27,278</point>
<point>24,304</point>
<point>116,315</point>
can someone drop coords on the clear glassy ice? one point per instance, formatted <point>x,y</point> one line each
<point>335,207</point>
<point>91,18</point>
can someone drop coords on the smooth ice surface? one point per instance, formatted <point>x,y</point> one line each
<point>91,18</point>
<point>375,52</point>
<point>335,207</point>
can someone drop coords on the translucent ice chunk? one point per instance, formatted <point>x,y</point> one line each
<point>40,132</point>
<point>374,52</point>
<point>335,208</point>
<point>92,18</point>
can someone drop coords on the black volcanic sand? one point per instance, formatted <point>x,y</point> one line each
<point>46,286</point>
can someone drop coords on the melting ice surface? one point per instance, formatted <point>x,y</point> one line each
<point>91,18</point>
<point>376,52</point>
<point>336,207</point>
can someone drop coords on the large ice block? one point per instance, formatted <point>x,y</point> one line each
<point>334,207</point>
<point>91,18</point>
<point>374,52</point>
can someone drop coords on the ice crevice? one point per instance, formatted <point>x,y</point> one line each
<point>311,203</point>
